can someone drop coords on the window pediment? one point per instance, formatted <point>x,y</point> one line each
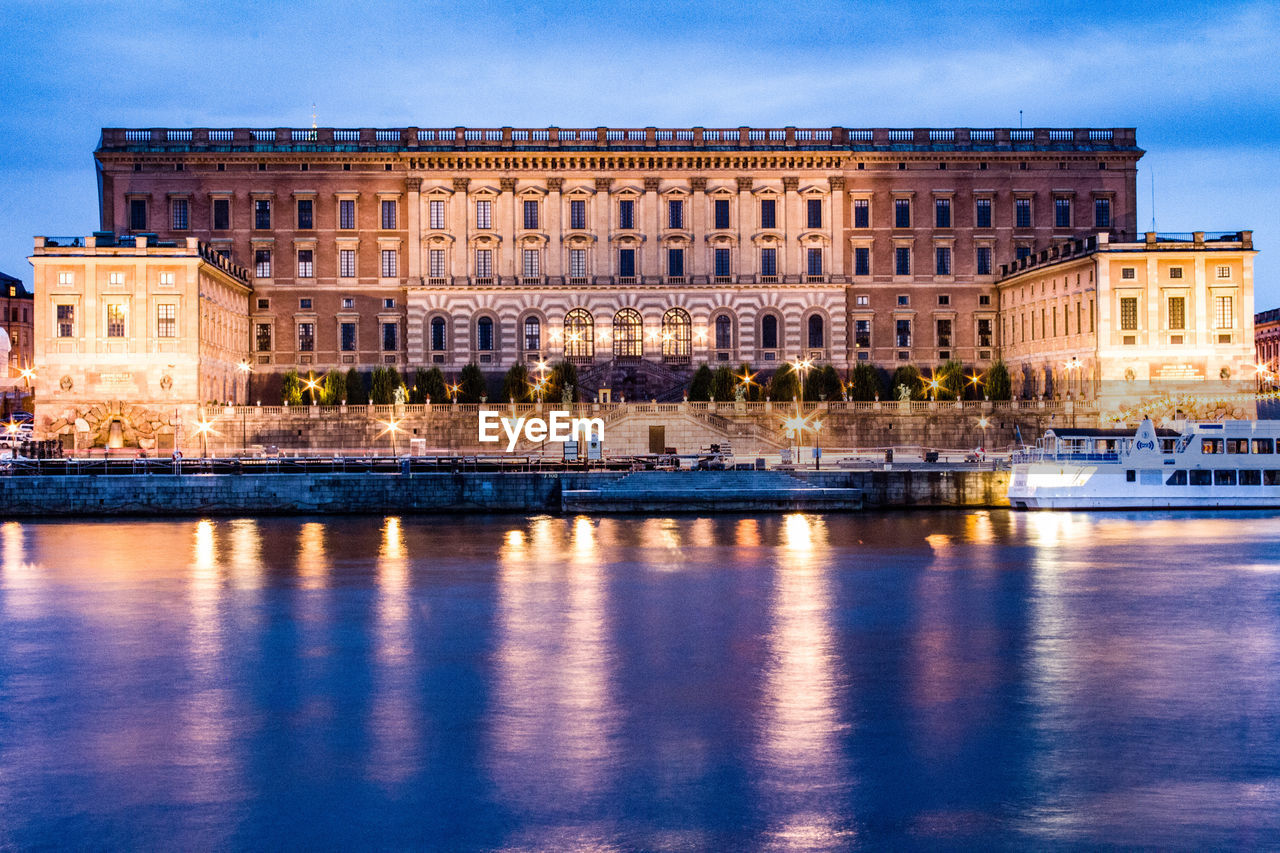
<point>485,192</point>
<point>721,193</point>
<point>533,192</point>
<point>767,191</point>
<point>629,191</point>
<point>437,193</point>
<point>676,192</point>
<point>579,192</point>
<point>813,191</point>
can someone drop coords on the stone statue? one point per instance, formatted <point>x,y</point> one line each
<point>566,395</point>
<point>904,394</point>
<point>739,393</point>
<point>398,397</point>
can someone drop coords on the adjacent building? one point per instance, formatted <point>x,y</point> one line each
<point>1266,339</point>
<point>16,303</point>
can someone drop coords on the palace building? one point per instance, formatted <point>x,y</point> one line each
<point>634,252</point>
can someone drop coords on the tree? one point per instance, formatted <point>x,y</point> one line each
<point>999,385</point>
<point>563,376</point>
<point>753,391</point>
<point>385,382</point>
<point>950,379</point>
<point>515,386</point>
<point>335,388</point>
<point>471,385</point>
<point>722,383</point>
<point>784,385</point>
<point>432,386</point>
<point>822,383</point>
<point>291,389</point>
<point>355,391</point>
<point>700,385</point>
<point>864,382</point>
<point>907,376</point>
<point>417,393</point>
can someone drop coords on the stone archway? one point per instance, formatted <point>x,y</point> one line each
<point>115,424</point>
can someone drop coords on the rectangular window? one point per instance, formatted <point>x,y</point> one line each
<point>944,333</point>
<point>983,256</point>
<point>532,334</point>
<point>1200,477</point>
<point>577,214</point>
<point>815,261</point>
<point>1021,252</point>
<point>1062,213</point>
<point>1102,213</point>
<point>943,260</point>
<point>1224,318</point>
<point>389,263</point>
<point>982,213</point>
<point>1128,313</point>
<point>435,263</point>
<point>181,220</point>
<point>768,213</point>
<point>984,333</point>
<point>904,300</point>
<point>627,263</point>
<point>675,262</point>
<point>262,214</point>
<point>578,263</point>
<point>306,261</point>
<point>1224,477</point>
<point>167,279</point>
<point>861,213</point>
<point>347,337</point>
<point>1237,445</point>
<point>66,321</point>
<point>1175,272</point>
<point>1224,272</point>
<point>862,261</point>
<point>675,214</point>
<point>862,334</point>
<point>1249,477</point>
<point>348,303</point>
<point>902,213</point>
<point>262,263</point>
<point>1022,213</point>
<point>435,214</point>
<point>530,214</point>
<point>722,262</point>
<point>627,213</point>
<point>388,214</point>
<point>263,337</point>
<point>347,263</point>
<point>722,213</point>
<point>390,337</point>
<point>814,210</point>
<point>137,214</point>
<point>306,337</point>
<point>221,214</point>
<point>1263,445</point>
<point>115,319</point>
<point>166,321</point>
<point>306,214</point>
<point>902,261</point>
<point>1177,312</point>
<point>903,335</point>
<point>304,304</point>
<point>942,213</point>
<point>529,263</point>
<point>769,262</point>
<point>484,263</point>
<point>1211,445</point>
<point>484,214</point>
<point>347,213</point>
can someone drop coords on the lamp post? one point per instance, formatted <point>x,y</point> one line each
<point>983,422</point>
<point>202,429</point>
<point>817,445</point>
<point>244,368</point>
<point>392,427</point>
<point>312,385</point>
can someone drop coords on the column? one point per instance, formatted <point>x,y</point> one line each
<point>651,211</point>
<point>555,258</point>
<point>791,225</point>
<point>509,265</point>
<point>698,230</point>
<point>600,227</point>
<point>413,222</point>
<point>837,203</point>
<point>459,218</point>
<point>746,224</point>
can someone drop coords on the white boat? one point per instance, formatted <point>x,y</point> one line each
<point>1204,465</point>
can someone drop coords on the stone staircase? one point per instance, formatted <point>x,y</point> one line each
<point>635,381</point>
<point>709,491</point>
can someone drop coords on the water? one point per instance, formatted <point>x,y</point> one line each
<point>789,682</point>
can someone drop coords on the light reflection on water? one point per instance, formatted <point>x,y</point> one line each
<point>790,682</point>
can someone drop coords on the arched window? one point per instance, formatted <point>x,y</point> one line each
<point>437,334</point>
<point>677,335</point>
<point>579,335</point>
<point>817,338</point>
<point>484,334</point>
<point>532,334</point>
<point>769,332</point>
<point>628,334</point>
<point>724,332</point>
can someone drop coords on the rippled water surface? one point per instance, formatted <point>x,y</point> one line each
<point>789,682</point>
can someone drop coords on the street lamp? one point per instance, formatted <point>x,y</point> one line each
<point>312,385</point>
<point>203,428</point>
<point>392,427</point>
<point>984,423</point>
<point>244,368</point>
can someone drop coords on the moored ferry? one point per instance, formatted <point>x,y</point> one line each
<point>1203,465</point>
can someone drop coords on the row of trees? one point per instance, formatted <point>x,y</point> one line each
<point>379,387</point>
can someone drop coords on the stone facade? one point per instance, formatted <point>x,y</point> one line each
<point>16,319</point>
<point>1266,341</point>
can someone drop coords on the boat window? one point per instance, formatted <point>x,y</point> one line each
<point>1237,445</point>
<point>1167,445</point>
<point>1130,476</point>
<point>1250,477</point>
<point>1151,477</point>
<point>1210,445</point>
<point>1224,477</point>
<point>1200,477</point>
<point>1263,445</point>
<point>1271,478</point>
<point>1176,478</point>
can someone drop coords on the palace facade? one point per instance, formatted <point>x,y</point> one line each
<point>621,249</point>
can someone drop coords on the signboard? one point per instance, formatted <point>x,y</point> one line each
<point>1183,372</point>
<point>595,450</point>
<point>570,451</point>
<point>786,455</point>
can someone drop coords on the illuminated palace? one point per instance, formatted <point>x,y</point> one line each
<point>633,252</point>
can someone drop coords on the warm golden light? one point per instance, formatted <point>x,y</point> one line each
<point>203,427</point>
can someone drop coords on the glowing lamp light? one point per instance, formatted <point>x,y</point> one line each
<point>28,373</point>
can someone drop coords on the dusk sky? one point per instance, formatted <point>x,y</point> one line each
<point>1200,82</point>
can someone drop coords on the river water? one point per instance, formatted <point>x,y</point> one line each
<point>982,679</point>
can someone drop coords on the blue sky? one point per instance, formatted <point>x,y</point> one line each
<point>1199,80</point>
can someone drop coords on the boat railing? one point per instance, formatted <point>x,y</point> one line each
<point>1039,454</point>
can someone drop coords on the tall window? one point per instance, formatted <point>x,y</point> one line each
<point>982,213</point>
<point>484,263</point>
<point>1102,213</point>
<point>166,321</point>
<point>627,263</point>
<point>221,214</point>
<point>902,333</point>
<point>675,213</point>
<point>66,321</point>
<point>137,214</point>
<point>1224,318</point>
<point>579,335</point>
<point>262,263</point>
<point>942,213</point>
<point>721,213</point>
<point>722,263</point>
<point>817,336</point>
<point>862,260</point>
<point>984,332</point>
<point>861,213</point>
<point>263,337</point>
<point>1062,213</point>
<point>437,334</point>
<point>902,213</point>
<point>1128,313</point>
<point>628,334</point>
<point>768,213</point>
<point>724,332</point>
<point>814,265</point>
<point>1022,213</point>
<point>306,263</point>
<point>942,260</point>
<point>347,263</point>
<point>769,262</point>
<point>346,213</point>
<point>1177,312</point>
<point>902,260</point>
<point>578,263</point>
<point>484,213</point>
<point>677,334</point>
<point>389,258</point>
<point>769,332</point>
<point>530,214</point>
<point>862,334</point>
<point>675,262</point>
<point>306,337</point>
<point>529,263</point>
<point>262,214</point>
<point>435,213</point>
<point>178,207</point>
<point>1021,252</point>
<point>347,337</point>
<point>388,214</point>
<point>306,214</point>
<point>983,255</point>
<point>390,337</point>
<point>435,263</point>
<point>813,211</point>
<point>532,334</point>
<point>944,333</point>
<point>627,213</point>
<point>577,214</point>
<point>484,334</point>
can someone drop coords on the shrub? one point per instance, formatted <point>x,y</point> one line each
<point>999,385</point>
<point>471,385</point>
<point>753,391</point>
<point>562,378</point>
<point>907,375</point>
<point>356,393</point>
<point>335,388</point>
<point>432,386</point>
<point>515,385</point>
<point>385,382</point>
<point>784,385</point>
<point>722,383</point>
<point>950,378</point>
<point>700,385</point>
<point>864,382</point>
<point>822,383</point>
<point>291,389</point>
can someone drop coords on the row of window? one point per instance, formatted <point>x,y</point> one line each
<point>1222,271</point>
<point>1216,477</point>
<point>943,329</point>
<point>1213,446</point>
<point>263,210</point>
<point>67,279</point>
<point>306,331</point>
<point>389,267</point>
<point>117,316</point>
<point>1176,316</point>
